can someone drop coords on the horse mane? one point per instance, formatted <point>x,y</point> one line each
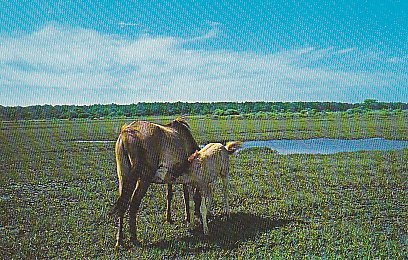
<point>123,128</point>
<point>179,120</point>
<point>181,124</point>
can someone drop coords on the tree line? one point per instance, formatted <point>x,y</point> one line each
<point>96,111</point>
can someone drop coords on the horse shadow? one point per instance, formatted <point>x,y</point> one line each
<point>224,233</point>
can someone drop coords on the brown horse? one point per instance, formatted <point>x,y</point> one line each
<point>142,150</point>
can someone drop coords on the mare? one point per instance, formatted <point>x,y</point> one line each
<point>142,150</point>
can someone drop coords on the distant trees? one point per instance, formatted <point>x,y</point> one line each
<point>258,109</point>
<point>228,112</point>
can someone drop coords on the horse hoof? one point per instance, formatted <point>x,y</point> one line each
<point>169,221</point>
<point>135,242</point>
<point>197,219</point>
<point>118,245</point>
<point>191,225</point>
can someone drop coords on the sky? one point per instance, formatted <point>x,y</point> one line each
<point>102,52</point>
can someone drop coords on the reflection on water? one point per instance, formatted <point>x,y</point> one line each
<point>327,146</point>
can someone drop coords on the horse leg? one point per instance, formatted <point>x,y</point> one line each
<point>169,196</point>
<point>197,203</point>
<point>140,191</point>
<point>187,204</point>
<point>126,187</point>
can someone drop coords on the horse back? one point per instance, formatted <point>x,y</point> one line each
<point>158,145</point>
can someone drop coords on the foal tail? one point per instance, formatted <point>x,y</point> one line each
<point>127,176</point>
<point>232,146</point>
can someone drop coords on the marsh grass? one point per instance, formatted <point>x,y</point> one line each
<point>55,194</point>
<point>207,129</point>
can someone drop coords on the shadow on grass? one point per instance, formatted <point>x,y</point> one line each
<point>224,233</point>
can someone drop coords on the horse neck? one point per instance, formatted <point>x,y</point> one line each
<point>191,142</point>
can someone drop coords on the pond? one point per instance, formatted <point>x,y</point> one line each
<point>317,146</point>
<point>327,146</point>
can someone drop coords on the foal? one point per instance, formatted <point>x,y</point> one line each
<point>204,166</point>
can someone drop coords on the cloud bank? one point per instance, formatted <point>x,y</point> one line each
<point>64,65</point>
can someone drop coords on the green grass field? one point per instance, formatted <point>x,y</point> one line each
<point>55,193</point>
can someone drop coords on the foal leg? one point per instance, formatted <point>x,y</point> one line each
<point>189,204</point>
<point>191,212</point>
<point>195,194</point>
<point>139,193</point>
<point>119,235</point>
<point>203,209</point>
<point>225,186</point>
<point>169,197</point>
<point>209,201</point>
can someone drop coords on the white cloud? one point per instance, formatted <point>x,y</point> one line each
<point>212,33</point>
<point>402,59</point>
<point>153,68</point>
<point>125,24</point>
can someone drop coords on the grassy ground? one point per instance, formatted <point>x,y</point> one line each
<point>55,194</point>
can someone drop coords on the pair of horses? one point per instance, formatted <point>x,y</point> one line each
<point>142,150</point>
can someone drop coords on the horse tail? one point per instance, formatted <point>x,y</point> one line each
<point>231,147</point>
<point>127,178</point>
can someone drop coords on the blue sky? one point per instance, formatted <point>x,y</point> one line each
<point>66,52</point>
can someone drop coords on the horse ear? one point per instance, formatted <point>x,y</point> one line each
<point>190,158</point>
<point>193,156</point>
<point>181,119</point>
<point>196,154</point>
